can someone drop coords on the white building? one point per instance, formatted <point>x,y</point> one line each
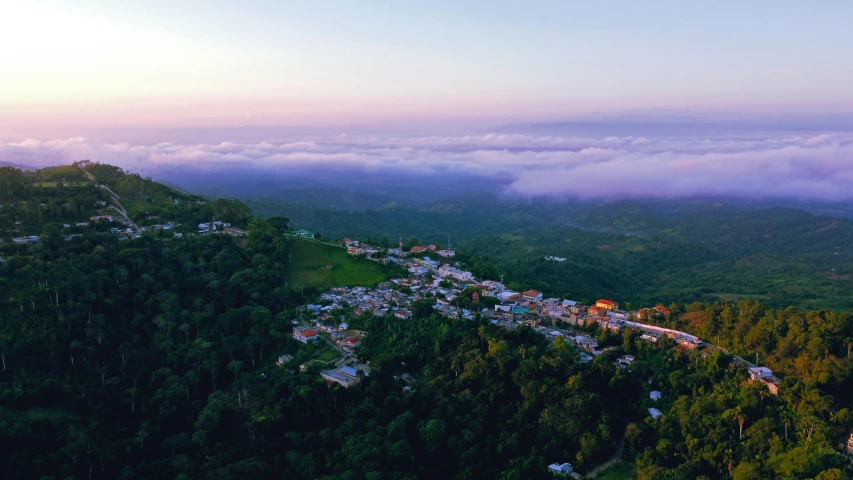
<point>560,468</point>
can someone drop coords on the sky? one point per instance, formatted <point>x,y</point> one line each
<point>163,63</point>
<point>473,87</point>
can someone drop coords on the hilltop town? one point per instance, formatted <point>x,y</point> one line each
<point>453,292</point>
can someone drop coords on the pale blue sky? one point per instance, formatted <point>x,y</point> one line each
<point>325,62</point>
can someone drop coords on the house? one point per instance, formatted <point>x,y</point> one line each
<point>304,335</point>
<point>509,296</point>
<point>649,337</point>
<point>560,468</point>
<point>447,253</point>
<point>429,262</point>
<point>654,395</point>
<point>343,378</point>
<point>347,242</point>
<point>418,249</point>
<point>555,259</point>
<point>850,445</point>
<point>402,314</point>
<point>596,311</point>
<point>764,375</point>
<point>756,373</point>
<point>607,304</point>
<point>655,413</point>
<point>462,276</point>
<point>662,310</point>
<point>532,296</point>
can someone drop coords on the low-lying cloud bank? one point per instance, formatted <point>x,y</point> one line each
<point>793,166</point>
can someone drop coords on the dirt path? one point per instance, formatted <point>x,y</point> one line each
<point>617,457</point>
<point>88,175</point>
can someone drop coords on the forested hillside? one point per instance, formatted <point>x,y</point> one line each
<point>166,356</point>
<point>640,251</point>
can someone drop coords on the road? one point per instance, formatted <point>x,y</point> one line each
<point>741,360</point>
<point>617,457</point>
<point>120,209</point>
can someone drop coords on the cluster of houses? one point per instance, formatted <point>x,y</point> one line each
<point>395,255</point>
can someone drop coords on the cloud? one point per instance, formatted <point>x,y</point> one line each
<point>794,166</point>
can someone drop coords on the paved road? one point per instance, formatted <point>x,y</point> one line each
<point>741,360</point>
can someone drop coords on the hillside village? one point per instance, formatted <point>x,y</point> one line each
<point>457,294</point>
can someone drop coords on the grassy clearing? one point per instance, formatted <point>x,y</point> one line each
<point>310,261</point>
<point>619,471</point>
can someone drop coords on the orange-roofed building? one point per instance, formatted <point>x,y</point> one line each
<point>607,304</point>
<point>532,296</point>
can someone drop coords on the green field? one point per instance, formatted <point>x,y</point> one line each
<point>310,261</point>
<point>619,471</point>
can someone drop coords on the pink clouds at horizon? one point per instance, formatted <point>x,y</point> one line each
<point>816,166</point>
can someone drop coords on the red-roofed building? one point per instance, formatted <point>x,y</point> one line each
<point>662,309</point>
<point>532,296</point>
<point>350,342</point>
<point>418,249</point>
<point>596,311</point>
<point>304,335</point>
<point>607,304</point>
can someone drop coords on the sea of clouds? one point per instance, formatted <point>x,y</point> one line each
<point>805,166</point>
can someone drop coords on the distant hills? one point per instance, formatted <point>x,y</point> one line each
<point>16,165</point>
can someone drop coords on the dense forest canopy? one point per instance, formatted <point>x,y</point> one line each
<point>157,357</point>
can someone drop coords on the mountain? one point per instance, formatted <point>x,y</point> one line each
<point>16,165</point>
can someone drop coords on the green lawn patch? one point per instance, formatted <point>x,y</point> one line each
<point>310,262</point>
<point>619,471</point>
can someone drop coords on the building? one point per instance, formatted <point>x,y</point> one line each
<point>756,373</point>
<point>850,445</point>
<point>764,375</point>
<point>340,377</point>
<point>532,296</point>
<point>462,276</point>
<point>304,335</point>
<point>509,296</point>
<point>655,413</point>
<point>560,468</point>
<point>447,253</point>
<point>607,304</point>
<point>649,337</point>
<point>654,395</point>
